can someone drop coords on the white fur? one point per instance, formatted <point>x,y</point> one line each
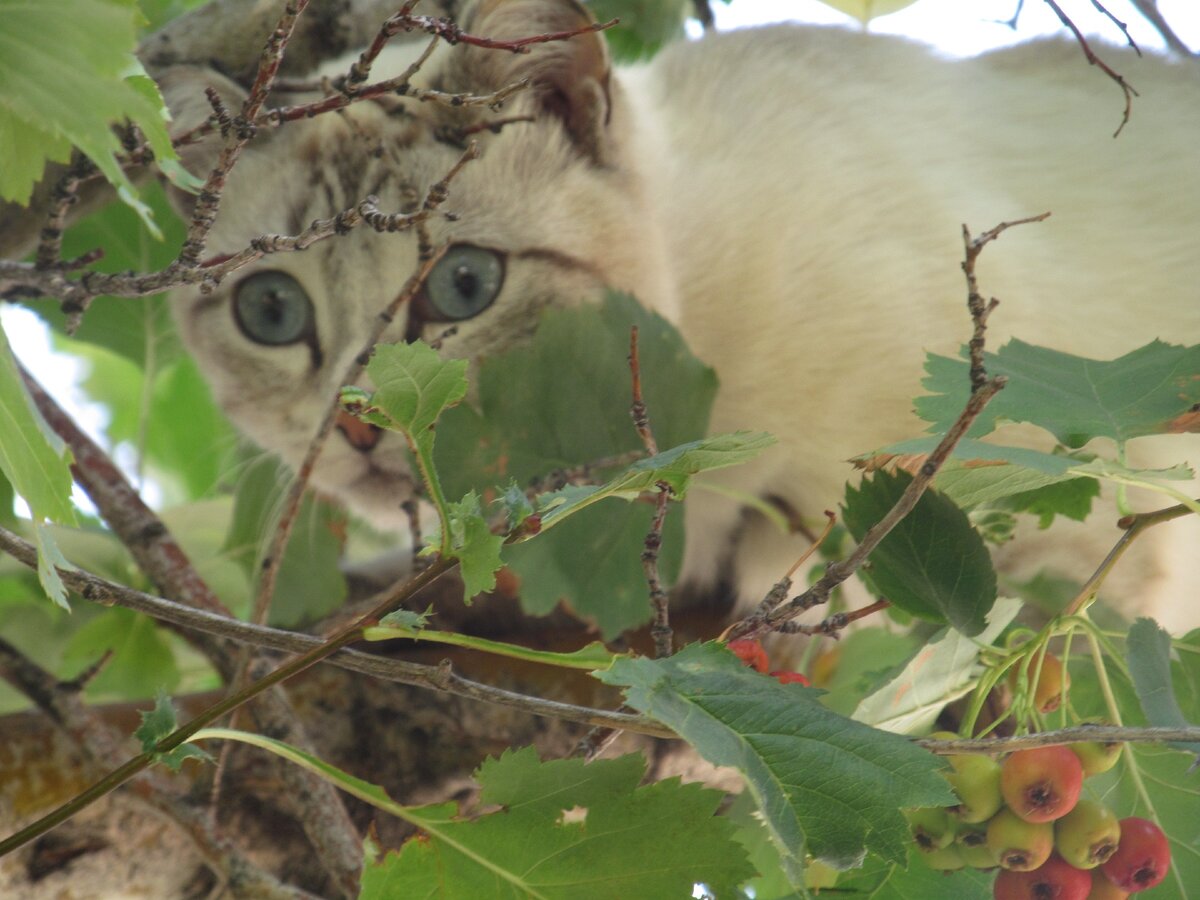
<point>792,197</point>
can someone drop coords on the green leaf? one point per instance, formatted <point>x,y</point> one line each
<point>943,670</point>
<point>1072,499</point>
<point>933,564</point>
<point>414,387</point>
<point>645,26</point>
<point>32,457</point>
<point>596,570</point>
<point>562,400</point>
<point>138,328</point>
<point>866,10</point>
<point>157,724</point>
<point>310,584</point>
<point>35,463</point>
<point>674,467</point>
<point>409,625</point>
<point>1149,651</point>
<point>914,880</point>
<point>565,829</point>
<point>824,785</point>
<point>141,661</point>
<point>68,73</point>
<point>472,542</point>
<point>1147,391</point>
<point>866,659</point>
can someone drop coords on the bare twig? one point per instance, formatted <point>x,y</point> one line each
<point>702,11</point>
<point>1126,88</point>
<point>979,309</point>
<point>833,625</point>
<point>242,131</point>
<point>62,198</point>
<point>1077,734</point>
<point>661,626</point>
<point>1150,12</point>
<point>1107,13</point>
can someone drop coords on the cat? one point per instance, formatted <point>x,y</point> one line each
<point>791,196</point>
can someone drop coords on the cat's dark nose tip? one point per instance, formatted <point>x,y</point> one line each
<point>360,435</point>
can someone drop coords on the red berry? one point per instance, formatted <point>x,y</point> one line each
<point>751,653</point>
<point>1142,859</point>
<point>785,677</point>
<point>1055,879</point>
<point>1042,784</point>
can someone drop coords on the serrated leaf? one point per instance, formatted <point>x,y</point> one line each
<point>933,564</point>
<point>1076,399</point>
<point>47,101</point>
<point>414,386</point>
<point>824,785</point>
<point>49,560</point>
<point>592,562</point>
<point>566,830</point>
<point>1072,499</point>
<point>943,670</point>
<point>1149,654</point>
<point>156,725</point>
<point>674,467</point>
<point>914,880</point>
<point>472,542</point>
<point>562,400</point>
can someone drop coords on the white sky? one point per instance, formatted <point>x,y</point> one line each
<point>960,27</point>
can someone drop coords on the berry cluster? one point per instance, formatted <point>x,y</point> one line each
<point>753,655</point>
<point>1026,816</point>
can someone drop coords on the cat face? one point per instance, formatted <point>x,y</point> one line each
<point>545,217</point>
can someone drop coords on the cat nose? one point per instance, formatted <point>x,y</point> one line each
<point>360,435</point>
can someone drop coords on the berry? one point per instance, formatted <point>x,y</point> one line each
<point>1142,859</point>
<point>976,782</point>
<point>1097,757</point>
<point>751,653</point>
<point>1088,835</point>
<point>785,677</point>
<point>971,841</point>
<point>1017,844</point>
<point>1103,889</point>
<point>1042,784</point>
<point>932,828</point>
<point>1052,680</point>
<point>1055,880</point>
<point>948,859</point>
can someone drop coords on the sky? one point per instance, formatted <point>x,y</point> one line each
<point>956,27</point>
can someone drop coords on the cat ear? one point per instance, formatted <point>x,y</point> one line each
<point>183,89</point>
<point>569,78</point>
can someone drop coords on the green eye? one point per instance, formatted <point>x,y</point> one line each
<point>271,308</point>
<point>464,282</point>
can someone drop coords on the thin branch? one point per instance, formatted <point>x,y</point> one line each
<point>661,626</point>
<point>1106,734</point>
<point>101,745</point>
<point>1126,88</point>
<point>835,624</point>
<point>1150,12</point>
<point>1134,525</point>
<point>314,802</point>
<point>99,590</point>
<point>1107,13</point>
<point>979,309</point>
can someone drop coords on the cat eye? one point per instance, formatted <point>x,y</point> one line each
<point>272,308</point>
<point>463,284</point>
